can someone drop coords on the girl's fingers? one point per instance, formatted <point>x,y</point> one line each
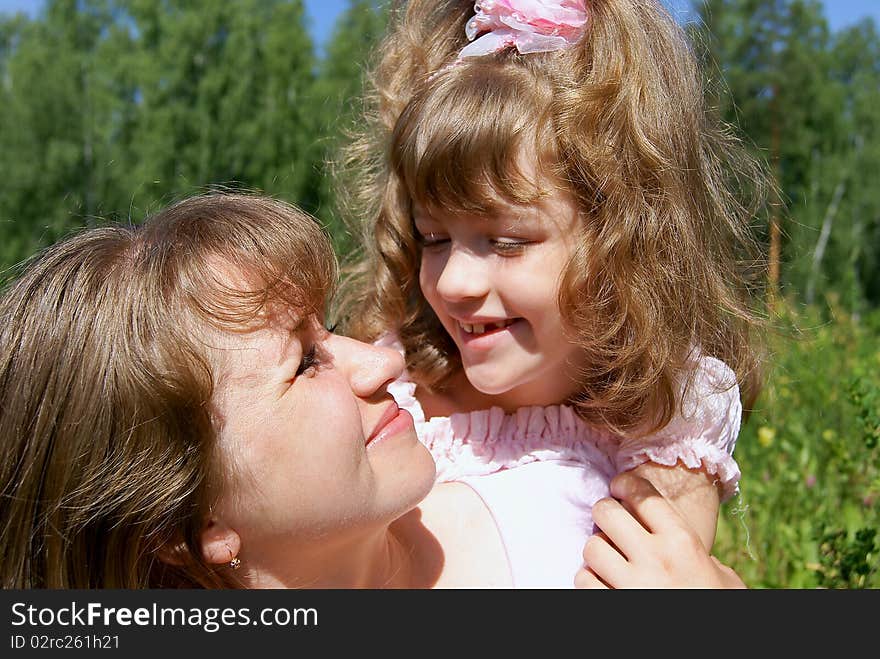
<point>622,529</point>
<point>587,579</point>
<point>604,561</point>
<point>646,504</point>
<point>729,578</point>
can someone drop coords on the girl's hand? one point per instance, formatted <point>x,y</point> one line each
<point>645,543</point>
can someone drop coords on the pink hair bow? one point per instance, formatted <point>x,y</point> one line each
<point>531,26</point>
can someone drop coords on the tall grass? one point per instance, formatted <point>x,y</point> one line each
<point>809,505</point>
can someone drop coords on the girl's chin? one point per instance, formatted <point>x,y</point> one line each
<point>488,382</point>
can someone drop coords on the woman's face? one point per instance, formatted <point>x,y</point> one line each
<point>311,444</point>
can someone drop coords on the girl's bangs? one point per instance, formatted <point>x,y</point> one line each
<point>475,138</point>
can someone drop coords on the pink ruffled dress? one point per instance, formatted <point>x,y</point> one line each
<point>540,470</point>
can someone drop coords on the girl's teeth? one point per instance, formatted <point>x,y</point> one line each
<point>480,329</point>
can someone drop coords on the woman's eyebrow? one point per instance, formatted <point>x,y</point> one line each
<point>421,215</point>
<point>280,340</point>
<point>287,352</point>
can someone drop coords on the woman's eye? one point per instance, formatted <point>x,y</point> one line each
<point>309,361</point>
<point>431,239</point>
<point>508,247</point>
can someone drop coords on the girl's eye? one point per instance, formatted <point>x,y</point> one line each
<point>309,361</point>
<point>508,247</point>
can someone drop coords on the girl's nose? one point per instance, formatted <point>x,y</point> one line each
<point>370,368</point>
<point>463,276</point>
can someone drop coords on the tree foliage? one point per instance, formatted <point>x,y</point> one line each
<point>339,91</point>
<point>808,100</point>
<point>113,107</point>
<point>110,108</point>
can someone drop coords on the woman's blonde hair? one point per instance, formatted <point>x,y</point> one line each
<point>108,449</point>
<point>667,262</point>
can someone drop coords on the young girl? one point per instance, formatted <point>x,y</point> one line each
<point>556,250</point>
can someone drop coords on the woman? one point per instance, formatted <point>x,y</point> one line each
<point>175,415</point>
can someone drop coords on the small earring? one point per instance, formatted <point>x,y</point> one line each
<point>235,561</point>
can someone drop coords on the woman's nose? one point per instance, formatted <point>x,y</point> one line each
<point>370,368</point>
<point>462,276</point>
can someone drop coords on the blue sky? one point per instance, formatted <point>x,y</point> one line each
<point>323,13</point>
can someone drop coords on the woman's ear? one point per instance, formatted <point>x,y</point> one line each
<point>220,543</point>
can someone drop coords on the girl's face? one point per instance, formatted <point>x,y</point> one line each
<point>493,283</point>
<point>311,444</point>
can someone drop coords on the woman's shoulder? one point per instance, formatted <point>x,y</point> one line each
<point>458,518</point>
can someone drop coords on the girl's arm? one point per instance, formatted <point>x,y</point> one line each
<point>698,445</point>
<point>644,542</point>
<point>692,493</point>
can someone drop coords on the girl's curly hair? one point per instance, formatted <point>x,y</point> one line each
<point>667,266</point>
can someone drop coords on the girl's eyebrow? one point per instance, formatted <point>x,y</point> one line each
<point>503,217</point>
<point>497,210</point>
<point>513,217</point>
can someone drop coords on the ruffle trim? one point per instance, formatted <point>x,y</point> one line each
<point>487,441</point>
<point>478,443</point>
<point>694,454</point>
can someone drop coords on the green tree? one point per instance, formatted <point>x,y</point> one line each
<point>223,97</point>
<point>57,117</point>
<point>851,260</point>
<point>338,94</point>
<point>804,98</point>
